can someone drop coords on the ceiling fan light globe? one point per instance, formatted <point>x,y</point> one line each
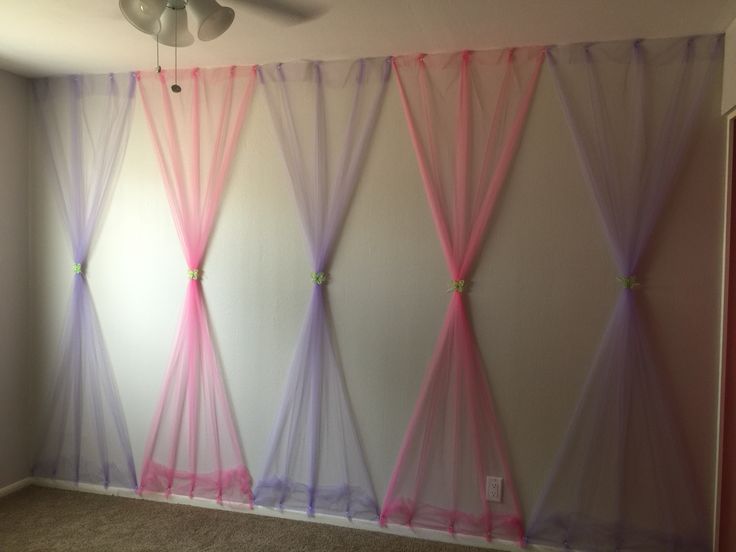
<point>175,29</point>
<point>143,14</point>
<point>216,24</point>
<point>211,18</point>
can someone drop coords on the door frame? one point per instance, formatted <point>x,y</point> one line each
<point>727,378</point>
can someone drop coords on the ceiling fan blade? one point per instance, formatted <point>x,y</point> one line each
<point>284,10</point>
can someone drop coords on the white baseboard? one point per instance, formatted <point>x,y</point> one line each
<point>17,486</point>
<point>392,529</point>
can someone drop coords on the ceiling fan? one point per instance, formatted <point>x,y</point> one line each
<point>167,20</point>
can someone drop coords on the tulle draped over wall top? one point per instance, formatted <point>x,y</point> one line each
<point>324,115</point>
<point>622,479</point>
<point>193,447</point>
<point>465,113</point>
<point>85,122</point>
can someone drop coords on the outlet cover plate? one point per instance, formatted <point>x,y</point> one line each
<point>494,488</point>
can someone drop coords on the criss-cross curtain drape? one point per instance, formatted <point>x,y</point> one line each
<point>193,447</point>
<point>622,479</point>
<point>85,120</point>
<point>324,115</point>
<point>466,113</point>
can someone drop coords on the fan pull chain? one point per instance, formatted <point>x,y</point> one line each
<point>158,61</point>
<point>175,87</point>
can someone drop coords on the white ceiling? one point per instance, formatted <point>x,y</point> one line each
<point>45,37</point>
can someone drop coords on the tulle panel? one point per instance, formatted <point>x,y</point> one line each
<point>324,115</point>
<point>622,479</point>
<point>193,447</point>
<point>85,121</point>
<point>465,113</point>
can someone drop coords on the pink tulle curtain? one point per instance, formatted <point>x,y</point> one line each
<point>324,115</point>
<point>193,447</point>
<point>622,479</point>
<point>466,113</point>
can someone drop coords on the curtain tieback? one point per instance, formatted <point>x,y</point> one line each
<point>319,278</point>
<point>77,268</point>
<point>193,273</point>
<point>457,286</point>
<point>628,282</point>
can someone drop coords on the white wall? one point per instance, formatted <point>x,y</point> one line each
<point>543,290</point>
<point>14,424</point>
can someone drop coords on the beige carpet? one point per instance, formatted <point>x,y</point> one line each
<point>50,520</point>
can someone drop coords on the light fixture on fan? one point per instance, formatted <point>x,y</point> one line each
<point>169,21</point>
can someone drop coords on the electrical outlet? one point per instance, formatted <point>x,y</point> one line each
<point>494,488</point>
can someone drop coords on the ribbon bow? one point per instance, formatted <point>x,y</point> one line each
<point>193,273</point>
<point>628,282</point>
<point>77,268</point>
<point>319,278</point>
<point>457,286</point>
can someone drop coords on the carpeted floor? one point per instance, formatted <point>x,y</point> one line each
<point>51,520</point>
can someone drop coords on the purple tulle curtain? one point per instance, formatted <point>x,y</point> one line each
<point>622,479</point>
<point>193,447</point>
<point>85,120</point>
<point>466,113</point>
<point>324,115</point>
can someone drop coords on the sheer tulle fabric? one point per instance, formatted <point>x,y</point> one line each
<point>324,115</point>
<point>622,479</point>
<point>466,113</point>
<point>85,120</point>
<point>193,447</point>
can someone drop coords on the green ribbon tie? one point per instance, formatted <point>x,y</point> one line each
<point>319,278</point>
<point>77,268</point>
<point>628,282</point>
<point>457,286</point>
<point>193,273</point>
